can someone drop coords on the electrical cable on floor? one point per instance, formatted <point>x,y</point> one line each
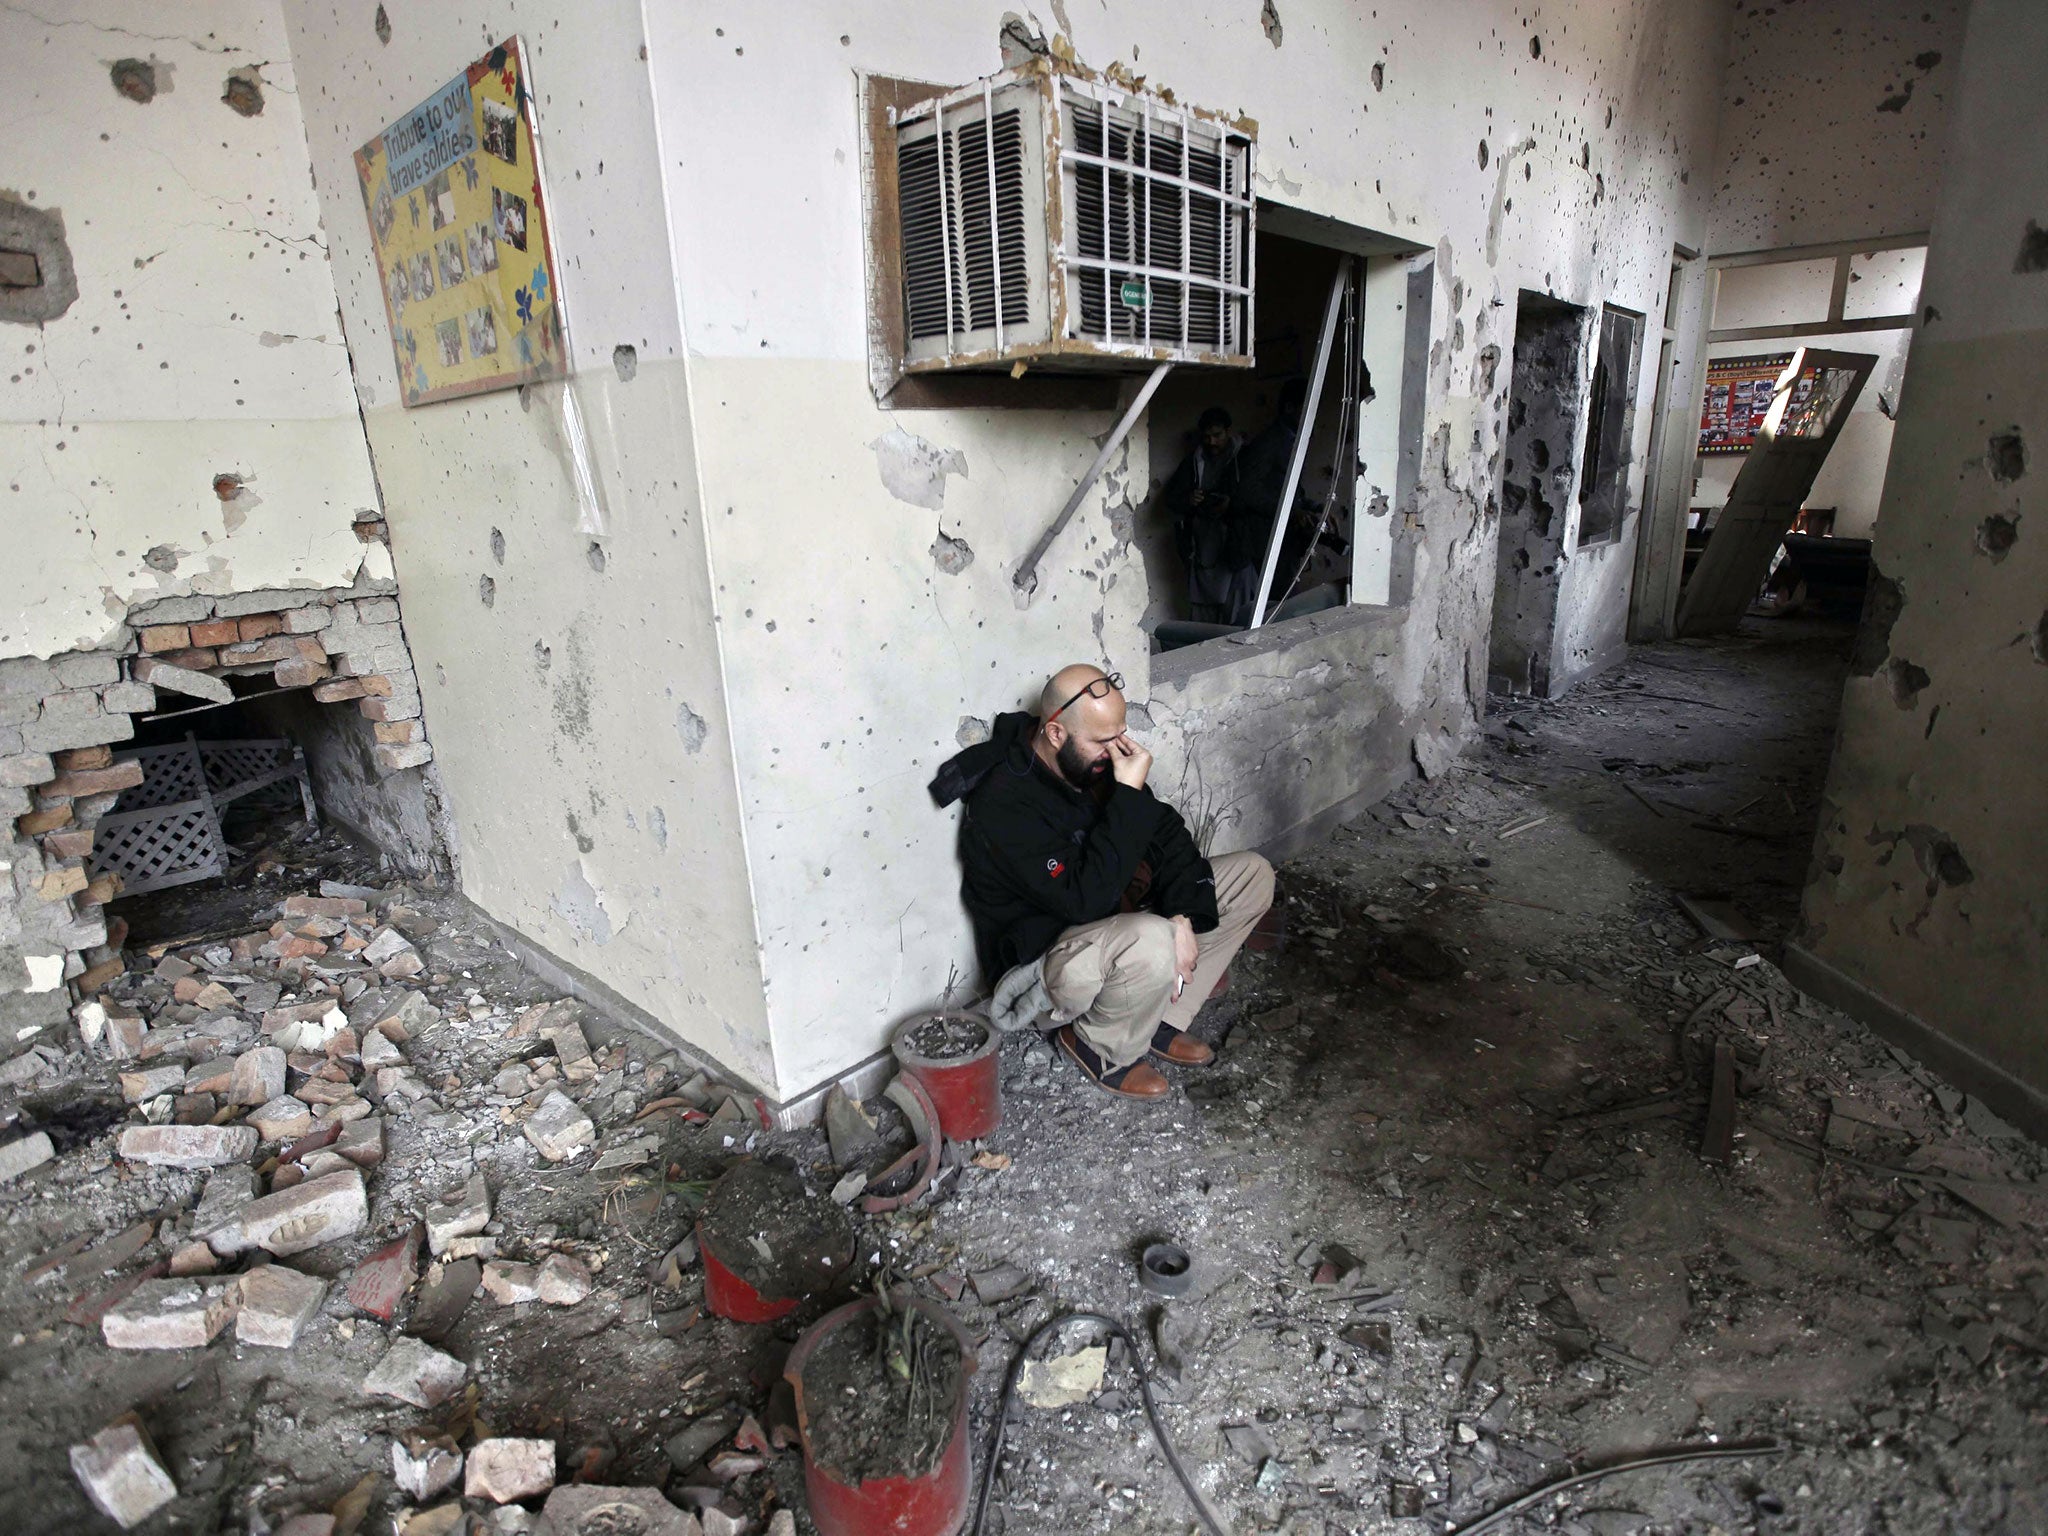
<point>995,1449</point>
<point>1733,1451</point>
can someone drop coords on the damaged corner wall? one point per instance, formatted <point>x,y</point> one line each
<point>567,653</point>
<point>1564,152</point>
<point>202,348</point>
<point>1926,911</point>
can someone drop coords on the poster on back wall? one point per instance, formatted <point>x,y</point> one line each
<point>452,189</point>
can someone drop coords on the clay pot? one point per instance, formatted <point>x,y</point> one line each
<point>965,1089</point>
<point>932,1505</point>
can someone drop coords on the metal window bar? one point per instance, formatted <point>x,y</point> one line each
<point>945,229</point>
<point>1308,418</point>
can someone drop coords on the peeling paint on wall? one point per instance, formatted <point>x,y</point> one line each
<point>580,904</point>
<point>691,728</point>
<point>914,470</point>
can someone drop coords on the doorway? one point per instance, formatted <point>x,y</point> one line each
<point>1545,403</point>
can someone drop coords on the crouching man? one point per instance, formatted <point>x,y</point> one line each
<point>1089,897</point>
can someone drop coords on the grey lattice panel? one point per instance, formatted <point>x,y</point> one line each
<point>231,763</point>
<point>169,774</point>
<point>162,846</point>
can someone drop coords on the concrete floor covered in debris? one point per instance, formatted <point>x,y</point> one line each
<point>1452,1230</point>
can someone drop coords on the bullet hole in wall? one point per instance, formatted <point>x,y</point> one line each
<point>486,591</point>
<point>1535,47</point>
<point>1485,154</point>
<point>951,555</point>
<point>135,79</point>
<point>161,558</point>
<point>2006,457</point>
<point>1269,20</point>
<point>498,546</point>
<point>243,91</point>
<point>382,25</point>
<point>1996,536</point>
<point>626,362</point>
<point>1908,681</point>
<point>1379,77</point>
<point>595,555</point>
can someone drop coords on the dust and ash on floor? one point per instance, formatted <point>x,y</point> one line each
<point>1461,1219</point>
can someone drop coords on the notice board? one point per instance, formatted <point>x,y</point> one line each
<point>452,190</point>
<point>1739,393</point>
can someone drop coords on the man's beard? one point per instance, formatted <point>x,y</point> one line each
<point>1076,769</point>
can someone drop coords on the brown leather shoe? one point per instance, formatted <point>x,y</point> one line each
<point>1180,1048</point>
<point>1140,1080</point>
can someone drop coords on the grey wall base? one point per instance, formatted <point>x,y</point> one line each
<point>862,1080</point>
<point>2007,1096</point>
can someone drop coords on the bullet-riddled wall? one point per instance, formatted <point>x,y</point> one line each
<point>863,555</point>
<point>1926,911</point>
<point>568,657</point>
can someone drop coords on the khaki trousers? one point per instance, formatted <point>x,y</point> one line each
<point>1114,979</point>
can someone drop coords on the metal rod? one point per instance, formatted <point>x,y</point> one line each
<point>1027,572</point>
<point>1141,244</point>
<point>1151,271</point>
<point>1221,194</point>
<point>1301,436</point>
<point>1187,254</point>
<point>995,223</point>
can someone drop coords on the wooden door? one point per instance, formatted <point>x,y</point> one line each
<point>1791,446</point>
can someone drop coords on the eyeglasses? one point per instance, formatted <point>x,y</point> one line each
<point>1099,689</point>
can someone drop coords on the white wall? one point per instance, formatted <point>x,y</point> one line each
<point>1835,121</point>
<point>851,660</point>
<point>578,717</point>
<point>203,340</point>
<point>1927,910</point>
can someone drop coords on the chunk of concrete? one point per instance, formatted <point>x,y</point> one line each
<point>121,1473</point>
<point>277,1303</point>
<point>459,1214</point>
<point>362,1141</point>
<point>414,1373</point>
<point>170,1314</point>
<point>583,1510</point>
<point>23,1154</point>
<point>558,1129</point>
<point>187,1146</point>
<point>259,1076</point>
<point>424,1464</point>
<point>562,1281</point>
<point>293,1220</point>
<point>281,1118</point>
<point>507,1469</point>
<point>509,1284</point>
<point>148,1082</point>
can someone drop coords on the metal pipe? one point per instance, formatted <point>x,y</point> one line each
<point>1301,436</point>
<point>1026,576</point>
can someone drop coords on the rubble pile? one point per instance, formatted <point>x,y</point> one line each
<point>324,1124</point>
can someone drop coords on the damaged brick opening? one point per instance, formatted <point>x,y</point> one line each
<point>272,672</point>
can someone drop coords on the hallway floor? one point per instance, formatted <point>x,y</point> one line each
<point>1452,1232</point>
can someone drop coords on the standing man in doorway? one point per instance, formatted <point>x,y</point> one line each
<point>1200,499</point>
<point>1089,897</point>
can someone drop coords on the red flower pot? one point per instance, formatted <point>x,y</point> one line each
<point>729,1296</point>
<point>932,1505</point>
<point>966,1089</point>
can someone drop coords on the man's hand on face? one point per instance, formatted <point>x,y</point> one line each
<point>1129,762</point>
<point>1187,949</point>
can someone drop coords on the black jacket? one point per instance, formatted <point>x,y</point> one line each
<point>1039,856</point>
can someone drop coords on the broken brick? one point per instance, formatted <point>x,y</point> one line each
<point>382,1279</point>
<point>121,1473</point>
<point>276,1304</point>
<point>170,1314</point>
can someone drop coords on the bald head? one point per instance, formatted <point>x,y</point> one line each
<point>1075,727</point>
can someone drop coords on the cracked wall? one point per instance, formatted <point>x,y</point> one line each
<point>1926,909</point>
<point>567,647</point>
<point>203,341</point>
<point>853,655</point>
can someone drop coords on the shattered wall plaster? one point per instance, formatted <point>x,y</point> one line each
<point>1927,900</point>
<point>203,338</point>
<point>852,653</point>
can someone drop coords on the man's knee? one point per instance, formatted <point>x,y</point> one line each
<point>1147,954</point>
<point>1251,883</point>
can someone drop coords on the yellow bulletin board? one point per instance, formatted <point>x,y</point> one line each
<point>453,193</point>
